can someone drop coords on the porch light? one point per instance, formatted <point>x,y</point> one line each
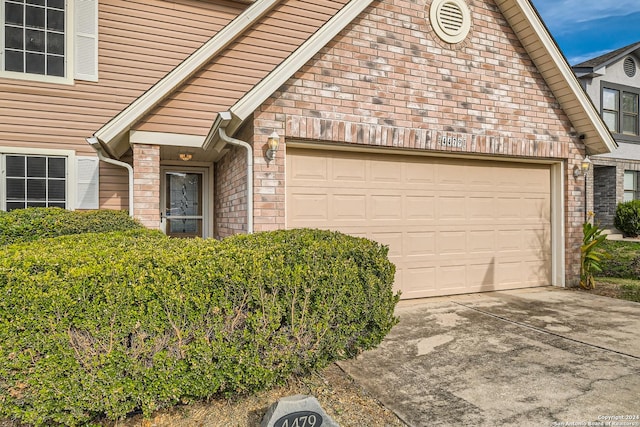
<point>185,156</point>
<point>273,141</point>
<point>585,165</point>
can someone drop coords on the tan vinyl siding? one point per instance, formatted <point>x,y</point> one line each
<point>191,109</point>
<point>140,41</point>
<point>114,187</point>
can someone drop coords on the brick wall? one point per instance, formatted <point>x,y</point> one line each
<point>608,188</point>
<point>604,194</point>
<point>387,80</point>
<point>230,194</point>
<point>146,184</point>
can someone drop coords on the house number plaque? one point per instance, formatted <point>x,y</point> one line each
<point>297,411</point>
<point>300,419</point>
<point>453,141</point>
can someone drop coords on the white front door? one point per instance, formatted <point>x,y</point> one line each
<point>183,203</point>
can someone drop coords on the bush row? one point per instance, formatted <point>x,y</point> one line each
<point>105,324</point>
<point>35,223</point>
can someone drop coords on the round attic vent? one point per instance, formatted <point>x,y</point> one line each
<point>629,66</point>
<point>451,19</point>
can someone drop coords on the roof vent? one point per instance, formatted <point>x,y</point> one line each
<point>451,20</point>
<point>629,66</point>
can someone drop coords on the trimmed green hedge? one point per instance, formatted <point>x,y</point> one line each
<point>30,224</point>
<point>105,324</point>
<point>627,218</point>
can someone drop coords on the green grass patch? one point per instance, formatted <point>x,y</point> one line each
<point>623,260</point>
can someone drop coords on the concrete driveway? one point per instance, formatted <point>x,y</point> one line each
<point>541,357</point>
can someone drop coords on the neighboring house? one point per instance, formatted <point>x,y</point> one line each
<point>448,130</point>
<point>612,81</point>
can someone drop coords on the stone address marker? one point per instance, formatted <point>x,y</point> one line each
<point>297,411</point>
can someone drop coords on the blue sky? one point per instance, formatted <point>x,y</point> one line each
<point>585,29</point>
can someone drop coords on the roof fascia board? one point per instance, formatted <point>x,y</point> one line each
<point>620,55</point>
<point>267,86</point>
<point>120,124</point>
<point>563,67</point>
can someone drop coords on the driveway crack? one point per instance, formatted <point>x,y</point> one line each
<point>544,331</point>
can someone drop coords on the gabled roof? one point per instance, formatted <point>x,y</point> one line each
<point>554,68</point>
<point>238,36</point>
<point>608,58</point>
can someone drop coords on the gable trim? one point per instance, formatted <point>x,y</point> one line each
<point>113,132</point>
<point>550,62</point>
<point>267,86</point>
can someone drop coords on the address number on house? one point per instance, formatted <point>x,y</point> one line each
<point>453,141</point>
<point>300,419</point>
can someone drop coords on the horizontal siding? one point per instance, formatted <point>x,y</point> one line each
<point>140,41</point>
<point>114,187</point>
<point>230,75</point>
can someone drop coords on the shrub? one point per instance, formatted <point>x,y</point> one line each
<point>105,324</point>
<point>627,218</point>
<point>30,224</point>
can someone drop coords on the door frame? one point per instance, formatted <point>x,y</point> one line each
<point>207,195</point>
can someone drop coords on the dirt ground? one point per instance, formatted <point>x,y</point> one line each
<point>603,288</point>
<point>341,398</point>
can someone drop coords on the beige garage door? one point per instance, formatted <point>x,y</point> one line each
<point>452,225</point>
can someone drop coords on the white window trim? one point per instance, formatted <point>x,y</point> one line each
<point>69,52</point>
<point>71,178</point>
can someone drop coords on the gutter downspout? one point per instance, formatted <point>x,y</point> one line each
<point>225,117</point>
<point>95,144</point>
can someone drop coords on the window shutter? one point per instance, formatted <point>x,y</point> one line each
<point>87,173</point>
<point>86,40</point>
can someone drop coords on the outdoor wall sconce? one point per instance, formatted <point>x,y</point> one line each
<point>185,156</point>
<point>585,165</point>
<point>577,171</point>
<point>273,141</point>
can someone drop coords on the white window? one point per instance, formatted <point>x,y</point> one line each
<point>49,40</point>
<point>631,187</point>
<point>620,110</point>
<point>35,181</point>
<point>47,178</point>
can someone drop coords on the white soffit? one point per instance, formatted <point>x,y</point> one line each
<point>115,130</point>
<point>554,68</point>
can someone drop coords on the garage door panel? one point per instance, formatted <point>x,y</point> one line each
<point>417,174</point>
<point>384,172</point>
<point>420,244</point>
<point>348,170</point>
<point>386,206</point>
<point>310,168</point>
<point>451,208</point>
<point>481,241</point>
<point>452,225</point>
<point>451,242</point>
<point>420,207</point>
<point>451,278</point>
<point>309,207</point>
<point>349,207</point>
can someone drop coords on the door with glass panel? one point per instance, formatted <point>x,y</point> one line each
<point>183,207</point>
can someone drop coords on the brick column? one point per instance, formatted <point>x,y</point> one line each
<point>146,184</point>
